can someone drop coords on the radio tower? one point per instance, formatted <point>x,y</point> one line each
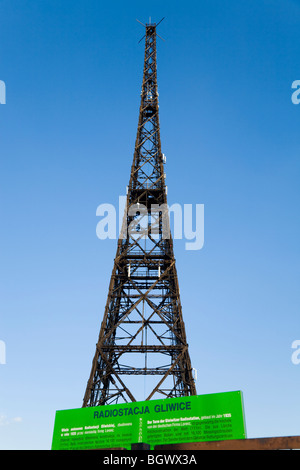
<point>142,332</point>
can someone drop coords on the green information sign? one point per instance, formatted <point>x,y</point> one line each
<point>198,418</point>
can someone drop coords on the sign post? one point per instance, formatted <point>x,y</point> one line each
<point>212,417</point>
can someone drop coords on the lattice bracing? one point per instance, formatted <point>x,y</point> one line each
<point>142,332</point>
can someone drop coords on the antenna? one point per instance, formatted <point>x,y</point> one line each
<point>160,37</point>
<point>144,27</point>
<point>160,21</point>
<point>141,23</point>
<point>157,25</point>
<point>150,24</point>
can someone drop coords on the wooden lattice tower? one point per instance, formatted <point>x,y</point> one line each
<point>142,332</point>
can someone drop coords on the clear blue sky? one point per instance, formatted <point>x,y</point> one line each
<point>73,73</point>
